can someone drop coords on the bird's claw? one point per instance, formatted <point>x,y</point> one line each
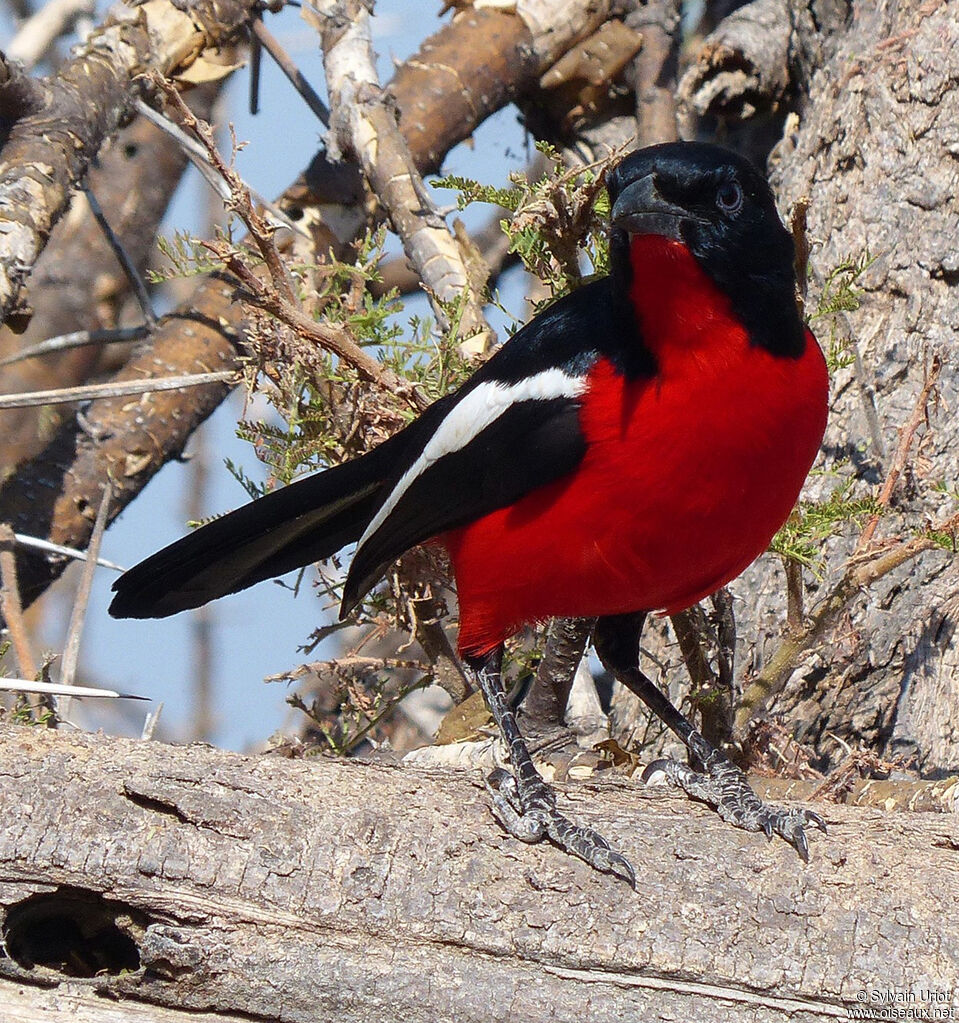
<point>725,787</point>
<point>530,815</point>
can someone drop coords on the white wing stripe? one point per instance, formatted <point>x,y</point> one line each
<point>469,417</point>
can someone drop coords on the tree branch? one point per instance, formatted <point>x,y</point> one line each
<point>48,152</point>
<point>365,126</point>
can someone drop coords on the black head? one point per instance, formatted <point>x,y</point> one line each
<point>721,208</point>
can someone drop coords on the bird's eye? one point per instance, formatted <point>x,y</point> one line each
<point>729,198</point>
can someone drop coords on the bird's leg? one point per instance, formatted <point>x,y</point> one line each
<point>522,802</point>
<point>713,778</point>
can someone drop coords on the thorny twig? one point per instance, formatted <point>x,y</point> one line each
<point>277,294</point>
<point>59,549</point>
<point>197,156</point>
<point>81,600</point>
<point>23,685</point>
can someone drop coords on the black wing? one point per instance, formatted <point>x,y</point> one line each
<point>533,443</point>
<point>453,465</point>
<point>478,459</point>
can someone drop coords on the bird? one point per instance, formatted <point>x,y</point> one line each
<point>630,450</point>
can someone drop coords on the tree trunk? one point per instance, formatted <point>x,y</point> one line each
<point>301,890</point>
<point>874,151</point>
<point>877,154</point>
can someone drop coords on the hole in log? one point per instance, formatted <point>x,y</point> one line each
<point>75,931</point>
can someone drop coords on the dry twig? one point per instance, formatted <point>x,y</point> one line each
<point>137,284</point>
<point>89,392</point>
<point>277,294</point>
<point>907,433</point>
<point>11,607</point>
<point>863,568</point>
<point>272,46</point>
<point>76,339</point>
<point>81,600</point>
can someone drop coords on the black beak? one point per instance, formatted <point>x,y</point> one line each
<point>640,209</point>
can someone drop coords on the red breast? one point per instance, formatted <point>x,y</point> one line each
<point>686,478</point>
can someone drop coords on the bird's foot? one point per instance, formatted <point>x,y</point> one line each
<point>725,787</point>
<point>527,810</point>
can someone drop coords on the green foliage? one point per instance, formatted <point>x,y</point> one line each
<point>321,410</point>
<point>22,712</point>
<point>841,294</point>
<point>187,256</point>
<point>947,541</point>
<point>555,220</point>
<point>806,531</point>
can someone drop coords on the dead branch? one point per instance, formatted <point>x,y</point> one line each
<point>71,650</point>
<point>586,84</point>
<point>77,283</point>
<point>11,606</point>
<point>37,35</point>
<point>742,67</point>
<point>295,77</point>
<point>49,151</point>
<point>654,70</point>
<point>907,433</point>
<point>136,282</point>
<point>365,126</point>
<point>545,703</point>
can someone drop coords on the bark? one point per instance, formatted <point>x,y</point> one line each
<point>298,890</point>
<point>49,148</point>
<point>877,152</point>
<point>874,148</point>
<point>363,124</point>
<point>654,70</point>
<point>742,67</point>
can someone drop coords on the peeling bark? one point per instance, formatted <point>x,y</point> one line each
<point>77,283</point>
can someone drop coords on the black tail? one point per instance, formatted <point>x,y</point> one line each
<point>305,522</point>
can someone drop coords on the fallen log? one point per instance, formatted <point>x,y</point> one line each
<point>138,874</point>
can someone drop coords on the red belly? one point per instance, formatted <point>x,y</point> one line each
<point>685,480</point>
